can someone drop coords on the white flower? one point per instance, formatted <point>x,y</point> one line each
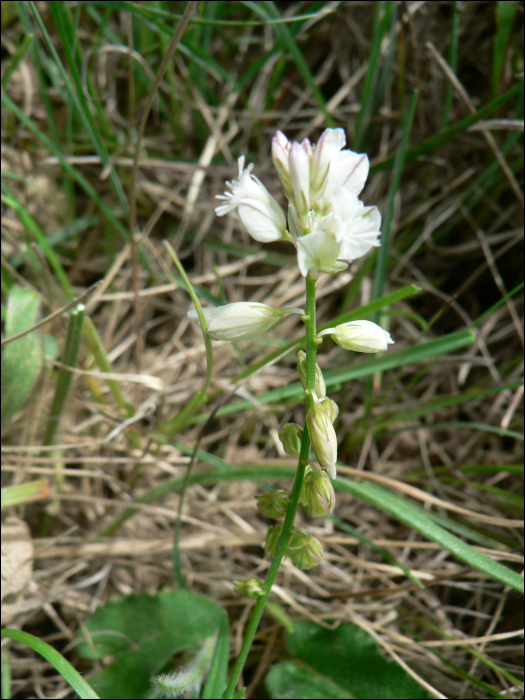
<point>319,250</point>
<point>241,320</point>
<point>262,216</point>
<point>359,336</point>
<point>355,227</point>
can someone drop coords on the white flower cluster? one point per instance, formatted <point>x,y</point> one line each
<point>327,222</point>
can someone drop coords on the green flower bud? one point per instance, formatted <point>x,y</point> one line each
<point>323,437</point>
<point>273,504</point>
<point>290,435</point>
<point>317,492</point>
<point>320,388</point>
<point>304,549</point>
<point>272,540</point>
<point>249,587</point>
<point>331,408</point>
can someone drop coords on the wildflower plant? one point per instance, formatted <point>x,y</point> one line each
<point>330,227</point>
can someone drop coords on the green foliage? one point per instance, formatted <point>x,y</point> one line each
<point>341,663</point>
<point>143,632</point>
<point>21,359</point>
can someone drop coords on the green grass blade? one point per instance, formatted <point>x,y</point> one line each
<point>366,368</point>
<point>268,10</point>
<point>400,508</point>
<point>505,13</point>
<point>417,519</point>
<point>73,172</point>
<point>372,74</point>
<point>399,162</point>
<point>435,142</point>
<point>61,664</point>
<point>77,96</point>
<point>73,338</point>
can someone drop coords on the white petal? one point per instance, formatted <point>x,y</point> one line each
<point>350,171</point>
<point>300,177</point>
<point>260,221</point>
<point>318,250</point>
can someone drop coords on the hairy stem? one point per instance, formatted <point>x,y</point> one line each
<point>251,629</point>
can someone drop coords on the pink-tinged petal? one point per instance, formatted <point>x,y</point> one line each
<point>325,153</point>
<point>350,172</point>
<point>300,178</point>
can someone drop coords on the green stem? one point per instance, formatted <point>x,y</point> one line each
<point>251,629</point>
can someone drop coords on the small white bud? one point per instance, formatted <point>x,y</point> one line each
<point>317,492</point>
<point>304,549</point>
<point>320,388</point>
<point>331,408</point>
<point>241,320</point>
<point>290,435</point>
<point>359,336</point>
<point>323,438</point>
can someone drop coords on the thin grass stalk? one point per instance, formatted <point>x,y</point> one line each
<point>134,170</point>
<point>382,256</point>
<point>73,338</point>
<point>251,629</point>
<point>175,424</point>
<point>98,350</point>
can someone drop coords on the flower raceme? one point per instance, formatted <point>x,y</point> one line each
<point>327,223</point>
<point>242,320</point>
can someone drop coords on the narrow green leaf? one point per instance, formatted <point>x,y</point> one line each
<point>505,13</point>
<point>24,493</point>
<point>74,335</point>
<point>218,673</point>
<point>268,10</point>
<point>416,518</point>
<point>61,664</point>
<point>391,360</point>
<point>382,256</point>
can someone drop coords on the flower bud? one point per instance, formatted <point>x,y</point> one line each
<point>331,408</point>
<point>242,320</point>
<point>249,587</point>
<point>272,540</point>
<point>280,157</point>
<point>325,156</point>
<point>299,163</point>
<point>323,437</point>
<point>290,435</point>
<point>320,388</point>
<point>360,336</point>
<point>273,504</point>
<point>304,549</point>
<point>317,492</point>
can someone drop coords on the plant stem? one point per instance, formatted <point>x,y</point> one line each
<point>251,629</point>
